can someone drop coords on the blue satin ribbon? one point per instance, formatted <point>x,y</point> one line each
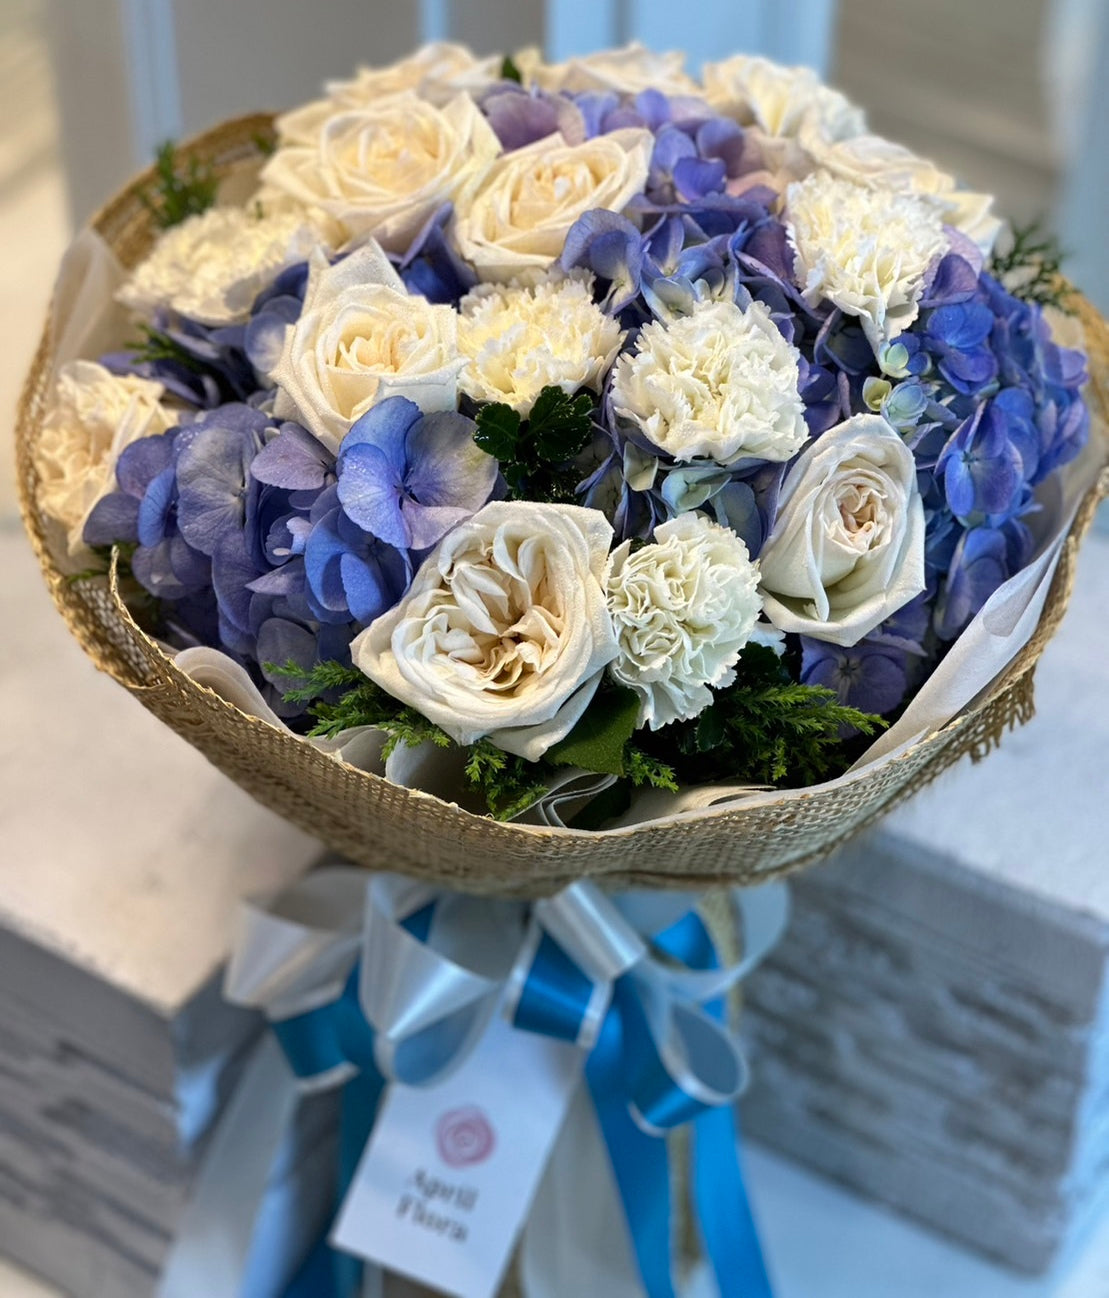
<point>636,1099</point>
<point>640,1163</point>
<point>723,1208</point>
<point>316,1043</point>
<point>624,1073</point>
<point>556,994</point>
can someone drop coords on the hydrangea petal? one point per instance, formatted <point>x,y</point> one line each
<point>371,489</point>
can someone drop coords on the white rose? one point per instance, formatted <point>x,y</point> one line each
<point>718,384</point>
<point>504,632</point>
<point>382,170</point>
<point>779,100</point>
<point>867,250</point>
<point>520,339</point>
<point>436,72</point>
<point>363,337</point>
<point>847,547</point>
<point>683,608</point>
<point>625,71</point>
<point>211,267</point>
<point>94,414</point>
<point>520,216</point>
<point>879,163</point>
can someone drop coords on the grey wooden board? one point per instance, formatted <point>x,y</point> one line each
<point>934,1029</point>
<point>124,857</point>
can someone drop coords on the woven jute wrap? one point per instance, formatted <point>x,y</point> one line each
<point>380,825</point>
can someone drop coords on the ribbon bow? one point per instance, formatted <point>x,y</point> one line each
<point>382,980</point>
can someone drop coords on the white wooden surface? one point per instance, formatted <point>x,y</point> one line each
<point>124,850</point>
<point>823,1242</point>
<point>1034,817</point>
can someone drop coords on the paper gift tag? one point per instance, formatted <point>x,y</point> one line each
<point>448,1177</point>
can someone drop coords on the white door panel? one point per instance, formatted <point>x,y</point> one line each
<point>132,73</point>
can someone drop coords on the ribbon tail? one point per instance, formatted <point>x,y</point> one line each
<point>328,1272</point>
<point>640,1163</point>
<point>241,1225</point>
<point>576,1241</point>
<point>723,1209</point>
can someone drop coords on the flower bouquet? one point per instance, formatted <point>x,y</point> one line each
<point>520,474</point>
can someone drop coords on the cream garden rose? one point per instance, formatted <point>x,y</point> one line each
<point>779,100</point>
<point>211,267</point>
<point>847,547</point>
<point>504,633</point>
<point>363,337</point>
<point>683,608</point>
<point>625,71</point>
<point>719,384</point>
<point>519,339</point>
<point>436,72</point>
<point>383,169</point>
<point>867,250</point>
<point>94,414</point>
<point>519,217</point>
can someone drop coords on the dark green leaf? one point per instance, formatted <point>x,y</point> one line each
<point>597,742</point>
<point>607,805</point>
<point>509,70</point>
<point>560,426</point>
<point>498,431</point>
<point>710,729</point>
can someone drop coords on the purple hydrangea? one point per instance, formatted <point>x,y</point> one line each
<point>143,512</point>
<point>407,478</point>
<point>201,365</point>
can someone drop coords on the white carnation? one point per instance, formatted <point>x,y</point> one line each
<point>93,416</point>
<point>683,608</point>
<point>719,384</point>
<point>504,632</point>
<point>360,338</point>
<point>212,266</point>
<point>520,339</point>
<point>867,250</point>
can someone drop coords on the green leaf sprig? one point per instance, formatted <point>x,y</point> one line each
<point>182,187</point>
<point>765,728</point>
<point>1031,268</point>
<point>340,697</point>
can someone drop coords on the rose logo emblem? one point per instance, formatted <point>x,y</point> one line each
<point>464,1137</point>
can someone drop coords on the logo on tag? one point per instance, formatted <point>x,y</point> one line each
<point>464,1137</point>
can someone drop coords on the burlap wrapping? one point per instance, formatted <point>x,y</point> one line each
<point>380,825</point>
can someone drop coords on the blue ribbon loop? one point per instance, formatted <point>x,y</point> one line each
<point>556,994</point>
<point>658,1060</point>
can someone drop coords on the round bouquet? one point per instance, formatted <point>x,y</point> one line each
<point>517,473</point>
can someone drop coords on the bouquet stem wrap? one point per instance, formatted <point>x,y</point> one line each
<point>385,983</point>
